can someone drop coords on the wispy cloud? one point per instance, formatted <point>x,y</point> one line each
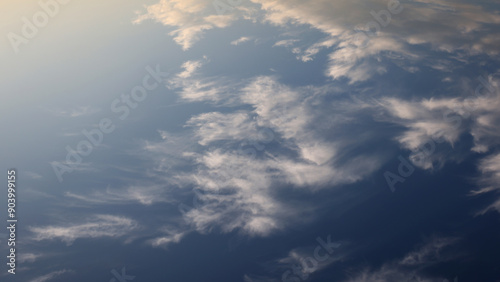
<point>146,195</point>
<point>28,257</point>
<point>33,175</point>
<point>489,180</point>
<point>75,112</point>
<point>192,87</point>
<point>97,226</point>
<point>237,188</point>
<point>446,119</point>
<point>170,235</point>
<point>190,67</point>
<point>191,18</point>
<point>409,268</point>
<point>285,43</point>
<point>240,40</point>
<point>445,26</point>
<point>50,276</point>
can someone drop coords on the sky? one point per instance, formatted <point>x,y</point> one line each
<point>251,140</point>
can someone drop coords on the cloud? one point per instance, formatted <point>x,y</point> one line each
<point>146,195</point>
<point>76,112</point>
<point>235,195</point>
<point>171,235</point>
<point>276,137</point>
<point>303,261</point>
<point>430,122</point>
<point>273,137</point>
<point>190,67</point>
<point>297,265</point>
<point>33,175</point>
<point>97,226</point>
<point>82,167</point>
<point>191,18</point>
<point>255,278</point>
<point>489,180</point>
<point>28,257</point>
<point>457,28</point>
<point>314,49</point>
<point>285,43</point>
<point>50,275</point>
<point>429,252</point>
<point>214,126</point>
<point>240,40</point>
<point>192,87</point>
<point>243,157</point>
<point>448,26</point>
<point>171,152</point>
<point>337,20</point>
<point>409,268</point>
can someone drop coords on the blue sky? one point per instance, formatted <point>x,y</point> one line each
<point>252,140</point>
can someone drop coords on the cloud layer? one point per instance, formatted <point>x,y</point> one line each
<point>365,36</point>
